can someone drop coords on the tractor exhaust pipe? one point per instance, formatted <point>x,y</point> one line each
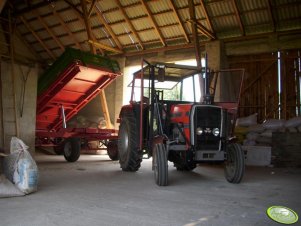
<point>208,98</point>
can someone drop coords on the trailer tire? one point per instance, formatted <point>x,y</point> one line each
<point>72,148</point>
<point>112,150</point>
<point>160,164</point>
<point>128,140</point>
<point>235,163</point>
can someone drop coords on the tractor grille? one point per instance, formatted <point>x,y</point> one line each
<point>206,119</point>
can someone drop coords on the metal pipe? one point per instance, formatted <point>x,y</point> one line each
<point>63,116</point>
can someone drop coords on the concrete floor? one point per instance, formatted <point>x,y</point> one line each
<point>94,191</point>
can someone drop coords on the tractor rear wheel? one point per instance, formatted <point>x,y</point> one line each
<point>160,165</point>
<point>72,148</point>
<point>235,163</point>
<point>112,150</point>
<point>128,139</point>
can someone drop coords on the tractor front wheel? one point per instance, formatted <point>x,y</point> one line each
<point>235,163</point>
<point>160,164</point>
<point>128,139</point>
<point>72,149</point>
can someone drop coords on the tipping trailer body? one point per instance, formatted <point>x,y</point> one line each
<point>73,80</point>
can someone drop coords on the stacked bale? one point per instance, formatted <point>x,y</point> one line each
<point>250,133</point>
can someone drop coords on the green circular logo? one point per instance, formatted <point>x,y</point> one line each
<point>282,214</point>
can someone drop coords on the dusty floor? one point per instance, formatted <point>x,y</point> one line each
<point>94,191</point>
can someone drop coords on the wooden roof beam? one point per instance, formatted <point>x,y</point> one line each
<point>37,37</point>
<point>237,14</point>
<point>108,28</point>
<point>171,3</point>
<point>150,15</point>
<point>194,33</point>
<point>91,8</point>
<point>86,24</point>
<point>67,29</point>
<point>203,29</point>
<point>127,19</point>
<point>270,12</point>
<point>50,32</point>
<point>106,47</point>
<point>207,16</point>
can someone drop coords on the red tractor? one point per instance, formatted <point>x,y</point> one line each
<point>185,124</point>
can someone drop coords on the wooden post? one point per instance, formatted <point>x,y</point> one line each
<point>194,33</point>
<point>102,95</point>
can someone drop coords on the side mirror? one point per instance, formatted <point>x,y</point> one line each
<point>161,74</point>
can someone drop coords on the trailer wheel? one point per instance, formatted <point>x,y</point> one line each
<point>128,138</point>
<point>235,163</point>
<point>160,165</point>
<point>72,149</point>
<point>112,150</point>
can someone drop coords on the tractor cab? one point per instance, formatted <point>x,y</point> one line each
<point>182,114</point>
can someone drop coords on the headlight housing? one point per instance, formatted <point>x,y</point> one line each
<point>215,132</point>
<point>199,131</point>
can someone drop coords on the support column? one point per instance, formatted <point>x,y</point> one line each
<point>217,59</point>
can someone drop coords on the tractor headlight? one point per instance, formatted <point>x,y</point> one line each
<point>215,131</point>
<point>199,131</point>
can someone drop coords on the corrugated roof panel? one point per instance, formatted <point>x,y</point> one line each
<point>229,33</point>
<point>142,24</point>
<point>165,19</point>
<point>35,25</point>
<point>68,15</point>
<point>81,36</point>
<point>292,12</point>
<point>125,40</point>
<point>128,2</point>
<point>256,17</point>
<point>225,23</point>
<point>199,13</point>
<point>180,3</point>
<point>220,8</point>
<point>251,5</point>
<point>59,30</point>
<point>76,26</point>
<point>172,31</point>
<point>66,40</point>
<point>184,14</point>
<point>148,35</point>
<point>158,6</point>
<point>43,34</point>
<point>136,11</point>
<point>113,17</point>
<point>50,43</point>
<point>51,20</point>
<point>106,5</point>
<point>258,29</point>
<point>120,28</point>
<point>94,21</point>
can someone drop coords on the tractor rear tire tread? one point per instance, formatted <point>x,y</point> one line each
<point>133,157</point>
